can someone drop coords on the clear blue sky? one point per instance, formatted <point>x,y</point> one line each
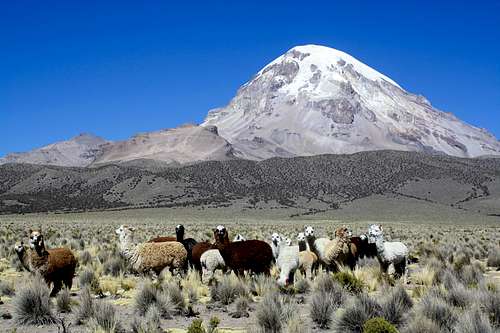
<point>117,68</point>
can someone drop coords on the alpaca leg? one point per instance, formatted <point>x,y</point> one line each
<point>56,287</point>
<point>68,282</point>
<point>291,277</point>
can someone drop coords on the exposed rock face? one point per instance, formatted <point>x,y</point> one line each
<point>185,144</point>
<point>78,151</point>
<point>315,100</point>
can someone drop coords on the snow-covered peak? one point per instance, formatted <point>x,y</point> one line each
<point>327,59</point>
<point>318,100</point>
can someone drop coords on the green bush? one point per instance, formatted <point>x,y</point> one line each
<point>378,325</point>
<point>196,327</point>
<point>349,282</point>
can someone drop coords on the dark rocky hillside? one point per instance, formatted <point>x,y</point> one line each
<point>313,184</point>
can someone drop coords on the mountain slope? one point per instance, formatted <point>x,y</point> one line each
<point>182,145</point>
<point>307,185</point>
<point>316,100</point>
<point>185,144</point>
<point>79,151</point>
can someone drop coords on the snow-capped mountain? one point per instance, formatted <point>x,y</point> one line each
<point>184,144</point>
<point>78,151</point>
<point>311,100</point>
<point>316,100</point>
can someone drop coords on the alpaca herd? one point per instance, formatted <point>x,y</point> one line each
<point>57,266</point>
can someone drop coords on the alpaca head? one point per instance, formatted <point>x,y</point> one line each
<point>288,241</point>
<point>342,232</point>
<point>309,231</point>
<point>220,234</point>
<point>125,232</point>
<point>36,240</point>
<point>179,231</point>
<point>20,249</point>
<point>276,239</point>
<point>301,237</point>
<point>239,238</point>
<point>375,232</point>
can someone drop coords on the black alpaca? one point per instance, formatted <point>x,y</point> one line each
<point>188,243</point>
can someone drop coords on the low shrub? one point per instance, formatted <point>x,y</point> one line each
<point>378,325</point>
<point>349,281</point>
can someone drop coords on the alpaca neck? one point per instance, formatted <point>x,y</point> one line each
<point>40,249</point>
<point>127,248</point>
<point>24,258</point>
<point>180,236</point>
<point>303,246</point>
<point>379,243</point>
<point>310,243</point>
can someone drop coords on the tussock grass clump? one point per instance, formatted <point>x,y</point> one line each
<point>421,324</point>
<point>227,290</point>
<point>175,296</point>
<point>150,323</point>
<point>494,257</point>
<point>303,286</point>
<point>32,304</point>
<point>146,296</point>
<point>149,295</point>
<point>88,278</point>
<point>356,314</point>
<point>424,276</point>
<point>328,297</point>
<point>322,309</point>
<point>104,318</point>
<point>437,310</point>
<point>396,306</point>
<point>114,266</point>
<point>63,301</point>
<point>241,305</point>
<point>85,258</point>
<point>85,309</point>
<point>274,312</point>
<point>457,295</point>
<point>325,283</point>
<point>263,285</point>
<point>490,304</point>
<point>6,289</point>
<point>473,322</point>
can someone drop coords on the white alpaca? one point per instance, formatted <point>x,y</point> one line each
<point>395,253</point>
<point>210,261</point>
<point>287,263</point>
<point>316,245</point>
<point>275,244</point>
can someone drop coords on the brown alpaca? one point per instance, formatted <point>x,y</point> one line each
<point>56,266</point>
<point>196,253</point>
<point>252,255</point>
<point>162,239</point>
